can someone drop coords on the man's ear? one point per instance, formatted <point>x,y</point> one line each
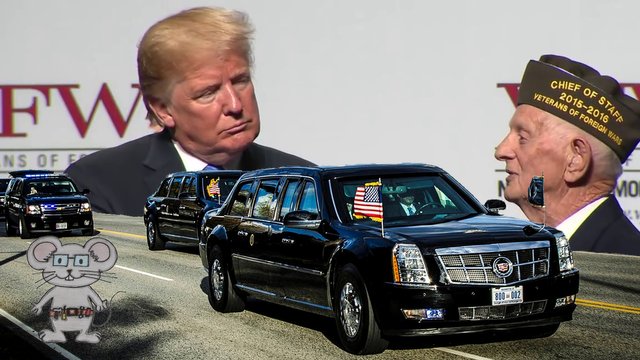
<point>161,109</point>
<point>578,160</point>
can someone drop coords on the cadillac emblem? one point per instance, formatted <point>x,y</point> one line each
<point>502,267</point>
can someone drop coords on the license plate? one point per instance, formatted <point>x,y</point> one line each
<point>507,295</point>
<point>61,226</point>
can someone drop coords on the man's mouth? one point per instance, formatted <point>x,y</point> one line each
<point>237,128</point>
<point>510,175</point>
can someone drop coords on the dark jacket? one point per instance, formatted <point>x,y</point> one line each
<point>121,178</point>
<point>607,230</point>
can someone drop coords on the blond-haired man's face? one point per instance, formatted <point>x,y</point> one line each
<point>213,109</point>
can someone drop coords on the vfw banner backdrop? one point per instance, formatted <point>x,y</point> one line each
<point>338,81</point>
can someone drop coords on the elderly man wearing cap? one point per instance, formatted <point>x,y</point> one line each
<point>576,128</point>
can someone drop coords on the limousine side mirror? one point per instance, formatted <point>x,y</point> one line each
<point>302,219</point>
<point>85,191</point>
<point>495,205</point>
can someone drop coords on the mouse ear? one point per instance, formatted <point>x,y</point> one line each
<point>40,251</point>
<point>103,252</point>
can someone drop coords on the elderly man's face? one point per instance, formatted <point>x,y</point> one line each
<point>213,110</point>
<point>533,147</point>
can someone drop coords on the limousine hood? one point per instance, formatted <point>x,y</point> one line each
<point>480,229</point>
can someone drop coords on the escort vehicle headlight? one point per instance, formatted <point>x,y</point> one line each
<point>408,265</point>
<point>84,207</point>
<point>565,257</point>
<point>33,209</point>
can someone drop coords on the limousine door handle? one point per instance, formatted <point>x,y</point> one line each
<point>242,233</point>
<point>288,241</point>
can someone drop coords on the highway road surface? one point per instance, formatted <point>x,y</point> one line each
<point>160,310</point>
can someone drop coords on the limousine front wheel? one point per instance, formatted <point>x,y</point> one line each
<point>154,240</point>
<point>357,327</point>
<point>222,295</point>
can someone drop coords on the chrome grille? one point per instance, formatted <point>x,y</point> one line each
<point>60,209</point>
<point>472,265</point>
<point>502,311</point>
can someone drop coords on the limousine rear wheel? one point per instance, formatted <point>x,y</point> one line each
<point>222,295</point>
<point>154,240</point>
<point>357,327</point>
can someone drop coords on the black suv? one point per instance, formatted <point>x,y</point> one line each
<point>174,212</point>
<point>336,241</point>
<point>39,201</point>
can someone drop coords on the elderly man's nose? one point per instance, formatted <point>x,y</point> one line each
<point>500,151</point>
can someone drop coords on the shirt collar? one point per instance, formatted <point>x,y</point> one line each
<point>573,222</point>
<point>190,162</point>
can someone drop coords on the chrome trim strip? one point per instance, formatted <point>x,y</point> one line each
<point>306,303</point>
<point>248,288</point>
<point>488,248</point>
<point>278,265</point>
<point>174,236</point>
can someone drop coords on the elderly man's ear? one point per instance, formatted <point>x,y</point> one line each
<point>578,160</point>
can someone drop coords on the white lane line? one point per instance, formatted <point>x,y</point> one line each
<point>143,273</point>
<point>463,354</point>
<point>55,347</point>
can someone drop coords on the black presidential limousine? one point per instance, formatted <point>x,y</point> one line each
<point>335,241</point>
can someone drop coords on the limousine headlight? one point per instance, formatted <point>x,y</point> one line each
<point>565,257</point>
<point>408,265</point>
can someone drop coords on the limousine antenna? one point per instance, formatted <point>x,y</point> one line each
<point>381,206</point>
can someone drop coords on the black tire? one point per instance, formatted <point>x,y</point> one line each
<point>88,231</point>
<point>222,295</point>
<point>23,230</point>
<point>356,322</point>
<point>9,229</point>
<point>154,239</point>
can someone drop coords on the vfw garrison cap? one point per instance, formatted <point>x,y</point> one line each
<point>578,94</point>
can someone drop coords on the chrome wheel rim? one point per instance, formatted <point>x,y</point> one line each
<point>151,233</point>
<point>350,310</point>
<point>217,279</point>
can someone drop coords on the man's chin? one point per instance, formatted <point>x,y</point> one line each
<point>512,196</point>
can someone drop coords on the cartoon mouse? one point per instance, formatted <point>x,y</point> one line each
<point>71,269</point>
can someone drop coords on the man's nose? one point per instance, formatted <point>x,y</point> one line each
<point>232,104</point>
<point>502,151</point>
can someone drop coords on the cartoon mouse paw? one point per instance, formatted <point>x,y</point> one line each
<point>92,338</point>
<point>50,336</point>
<point>103,306</point>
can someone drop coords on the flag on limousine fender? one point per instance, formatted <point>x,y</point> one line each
<point>367,202</point>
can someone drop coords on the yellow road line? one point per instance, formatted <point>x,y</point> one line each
<point>122,234</point>
<point>608,306</point>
